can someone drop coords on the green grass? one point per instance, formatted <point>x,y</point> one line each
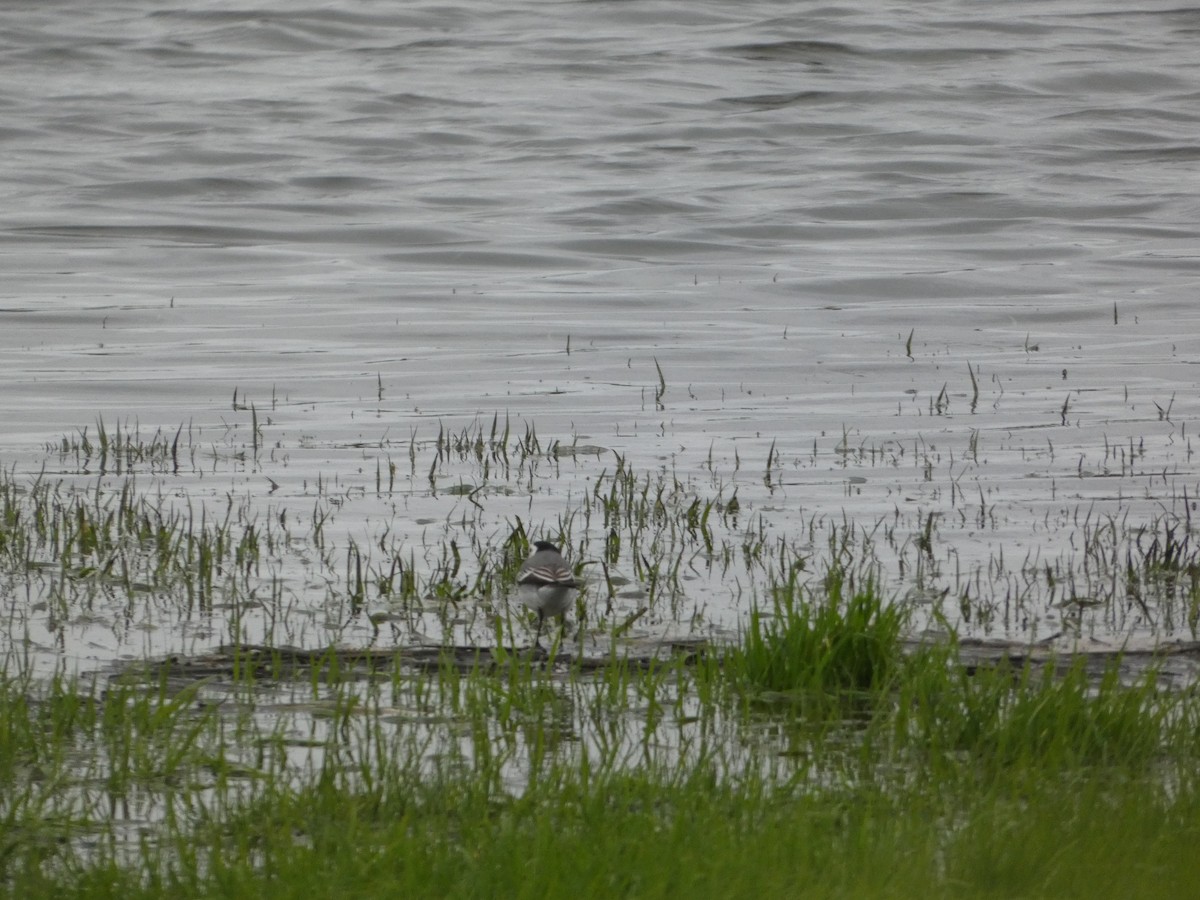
<point>1042,718</point>
<point>632,782</point>
<point>833,642</point>
<point>823,754</point>
<point>668,834</point>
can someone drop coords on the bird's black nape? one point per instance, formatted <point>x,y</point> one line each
<point>544,545</point>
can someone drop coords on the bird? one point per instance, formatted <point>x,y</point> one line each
<point>546,584</point>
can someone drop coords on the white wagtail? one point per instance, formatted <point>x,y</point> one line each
<point>546,583</point>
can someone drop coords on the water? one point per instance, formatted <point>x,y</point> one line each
<point>817,221</point>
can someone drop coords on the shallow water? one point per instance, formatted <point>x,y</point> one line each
<point>826,229</point>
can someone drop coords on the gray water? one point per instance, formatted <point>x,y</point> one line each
<point>371,220</point>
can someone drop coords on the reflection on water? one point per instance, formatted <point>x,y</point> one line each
<point>922,275</point>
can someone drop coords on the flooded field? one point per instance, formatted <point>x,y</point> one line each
<point>1073,531</point>
<point>850,355</point>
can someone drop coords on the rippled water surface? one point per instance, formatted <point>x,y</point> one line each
<point>926,266</point>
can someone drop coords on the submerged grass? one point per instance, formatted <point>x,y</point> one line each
<point>640,836</point>
<point>822,753</point>
<point>1043,718</point>
<point>839,641</point>
<point>631,781</point>
<point>421,809</point>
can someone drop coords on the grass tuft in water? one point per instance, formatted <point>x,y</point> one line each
<point>839,642</point>
<point>1043,718</point>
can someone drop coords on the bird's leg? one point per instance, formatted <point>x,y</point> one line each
<point>537,637</point>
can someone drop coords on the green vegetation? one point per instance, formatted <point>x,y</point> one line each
<point>630,781</point>
<point>824,750</point>
<point>827,644</point>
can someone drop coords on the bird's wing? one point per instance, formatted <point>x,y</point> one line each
<point>546,574</point>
